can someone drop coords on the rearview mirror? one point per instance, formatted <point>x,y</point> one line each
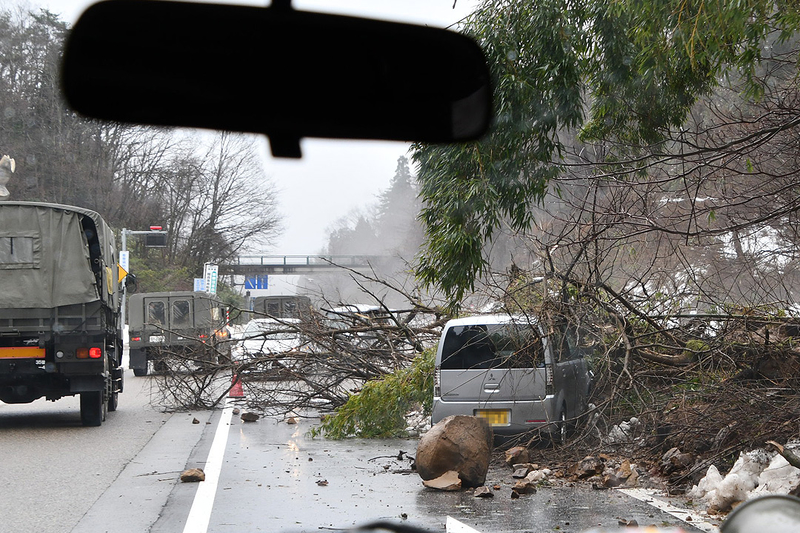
<point>284,73</point>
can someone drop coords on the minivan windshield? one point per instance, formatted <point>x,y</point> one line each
<point>485,346</point>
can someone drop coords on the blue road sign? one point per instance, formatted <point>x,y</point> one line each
<point>260,281</point>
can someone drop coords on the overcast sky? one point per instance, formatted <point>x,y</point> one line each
<point>334,177</point>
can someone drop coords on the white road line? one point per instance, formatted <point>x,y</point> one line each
<point>200,513</point>
<point>693,519</point>
<point>454,526</point>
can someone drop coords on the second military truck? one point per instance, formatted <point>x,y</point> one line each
<point>181,323</point>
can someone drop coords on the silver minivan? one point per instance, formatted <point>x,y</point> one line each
<point>511,372</point>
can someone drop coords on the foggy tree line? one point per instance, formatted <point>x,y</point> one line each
<point>208,191</point>
<point>387,229</point>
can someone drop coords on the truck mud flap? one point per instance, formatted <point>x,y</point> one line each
<point>138,359</point>
<point>87,383</point>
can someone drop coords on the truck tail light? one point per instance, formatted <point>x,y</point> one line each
<point>136,339</point>
<point>437,382</point>
<point>89,353</point>
<point>549,389</point>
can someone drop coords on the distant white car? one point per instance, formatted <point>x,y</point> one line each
<point>269,344</point>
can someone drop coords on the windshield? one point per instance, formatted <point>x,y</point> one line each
<point>491,346</point>
<point>590,197</point>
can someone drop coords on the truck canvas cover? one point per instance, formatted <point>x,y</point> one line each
<point>47,252</point>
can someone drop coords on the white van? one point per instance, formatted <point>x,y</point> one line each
<point>507,370</point>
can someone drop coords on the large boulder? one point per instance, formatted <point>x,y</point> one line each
<point>457,443</point>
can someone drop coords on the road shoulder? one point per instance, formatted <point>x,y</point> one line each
<point>134,501</point>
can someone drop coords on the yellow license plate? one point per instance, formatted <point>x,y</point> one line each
<point>495,417</point>
<point>22,352</point>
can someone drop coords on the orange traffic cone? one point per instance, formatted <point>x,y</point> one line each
<point>236,391</point>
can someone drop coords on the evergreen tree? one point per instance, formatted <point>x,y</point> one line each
<point>396,220</point>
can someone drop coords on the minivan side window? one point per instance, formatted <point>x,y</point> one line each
<point>492,346</point>
<point>572,340</point>
<point>565,343</point>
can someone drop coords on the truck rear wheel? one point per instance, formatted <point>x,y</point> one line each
<point>139,372</point>
<point>93,408</point>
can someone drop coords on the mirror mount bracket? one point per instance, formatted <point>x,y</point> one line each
<point>282,5</point>
<point>285,146</point>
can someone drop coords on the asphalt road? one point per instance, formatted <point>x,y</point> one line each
<point>261,476</point>
<point>275,478</point>
<point>53,469</point>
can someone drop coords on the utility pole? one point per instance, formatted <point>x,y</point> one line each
<point>155,237</point>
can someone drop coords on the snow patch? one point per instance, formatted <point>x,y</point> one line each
<point>755,473</point>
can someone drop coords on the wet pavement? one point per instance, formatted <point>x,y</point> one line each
<point>276,478</point>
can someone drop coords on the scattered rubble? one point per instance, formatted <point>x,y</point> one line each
<point>193,475</point>
<point>626,474</point>
<point>523,469</point>
<point>771,470</point>
<point>449,481</point>
<point>524,487</point>
<point>628,432</point>
<point>676,461</point>
<point>458,443</point>
<point>483,492</point>
<point>586,468</point>
<point>249,416</point>
<point>517,454</point>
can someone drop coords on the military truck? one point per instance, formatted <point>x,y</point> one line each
<point>290,306</point>
<point>60,330</point>
<point>183,323</point>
